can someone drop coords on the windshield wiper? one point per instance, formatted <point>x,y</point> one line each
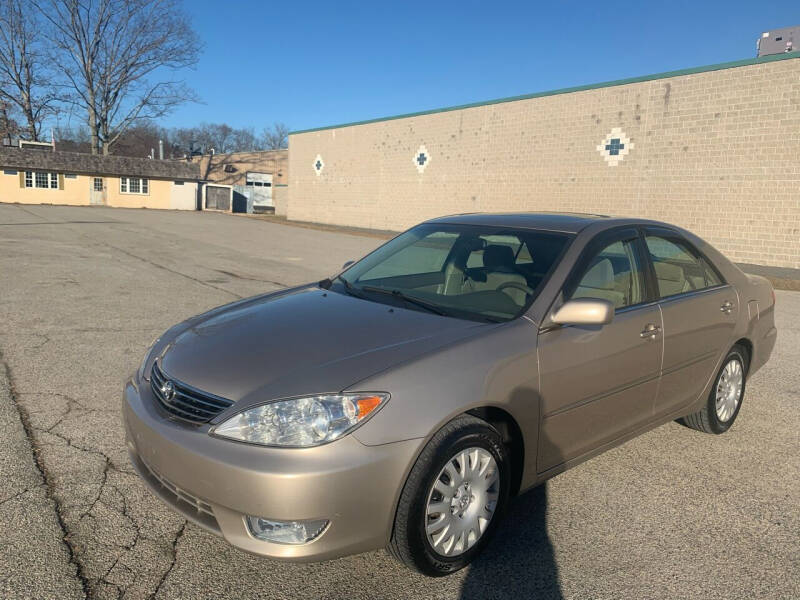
<point>357,292</point>
<point>409,299</point>
<point>350,288</point>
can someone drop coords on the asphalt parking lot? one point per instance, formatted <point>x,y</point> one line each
<point>83,291</point>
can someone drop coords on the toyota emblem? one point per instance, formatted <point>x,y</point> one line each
<point>168,390</point>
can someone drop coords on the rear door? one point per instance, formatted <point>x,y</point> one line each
<point>699,310</point>
<point>598,383</point>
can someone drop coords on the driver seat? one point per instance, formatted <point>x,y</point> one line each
<point>498,260</point>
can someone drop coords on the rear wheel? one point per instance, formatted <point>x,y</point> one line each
<point>725,398</point>
<point>453,498</point>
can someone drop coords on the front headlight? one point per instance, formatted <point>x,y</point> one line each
<point>301,422</point>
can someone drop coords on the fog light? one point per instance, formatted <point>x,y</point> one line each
<point>285,532</point>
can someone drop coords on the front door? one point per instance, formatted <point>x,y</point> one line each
<point>597,383</point>
<point>699,311</point>
<point>97,192</point>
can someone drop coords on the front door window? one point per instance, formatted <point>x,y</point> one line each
<point>614,274</point>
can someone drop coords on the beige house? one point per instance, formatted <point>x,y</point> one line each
<point>43,176</point>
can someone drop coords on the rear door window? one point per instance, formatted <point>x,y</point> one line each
<point>678,269</point>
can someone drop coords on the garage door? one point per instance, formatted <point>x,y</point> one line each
<point>218,198</point>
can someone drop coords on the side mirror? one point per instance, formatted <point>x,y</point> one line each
<point>347,264</point>
<point>584,311</point>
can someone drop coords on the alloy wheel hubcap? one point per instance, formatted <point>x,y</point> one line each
<point>462,501</point>
<point>729,389</point>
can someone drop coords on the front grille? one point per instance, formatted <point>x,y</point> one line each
<point>186,402</point>
<point>189,505</point>
<point>199,505</point>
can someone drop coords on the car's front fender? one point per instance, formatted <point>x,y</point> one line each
<point>496,369</point>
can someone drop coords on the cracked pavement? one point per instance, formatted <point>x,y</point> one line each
<point>83,291</point>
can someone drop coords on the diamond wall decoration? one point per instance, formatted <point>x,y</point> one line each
<point>421,158</point>
<point>319,164</point>
<point>615,147</point>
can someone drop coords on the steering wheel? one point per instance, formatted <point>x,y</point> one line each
<point>514,284</point>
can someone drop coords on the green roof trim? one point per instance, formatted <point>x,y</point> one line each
<point>581,88</point>
<point>281,185</point>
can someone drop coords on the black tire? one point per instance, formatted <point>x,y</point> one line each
<point>707,420</point>
<point>409,543</point>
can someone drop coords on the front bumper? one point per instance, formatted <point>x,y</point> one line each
<point>215,482</point>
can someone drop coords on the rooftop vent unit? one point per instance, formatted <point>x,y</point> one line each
<point>36,145</point>
<point>779,41</point>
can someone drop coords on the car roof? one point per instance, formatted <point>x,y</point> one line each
<point>550,221</point>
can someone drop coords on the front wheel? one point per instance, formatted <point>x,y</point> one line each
<point>725,398</point>
<point>453,498</point>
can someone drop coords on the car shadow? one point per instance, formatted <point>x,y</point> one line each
<point>519,562</point>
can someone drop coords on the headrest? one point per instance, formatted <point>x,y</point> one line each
<point>496,256</point>
<point>601,275</point>
<point>668,271</point>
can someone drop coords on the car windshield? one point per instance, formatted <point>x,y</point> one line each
<point>473,272</point>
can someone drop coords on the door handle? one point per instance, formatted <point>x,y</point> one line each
<point>727,307</point>
<point>651,330</point>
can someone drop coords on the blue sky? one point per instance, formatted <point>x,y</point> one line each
<point>312,64</point>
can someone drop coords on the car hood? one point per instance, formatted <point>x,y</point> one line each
<point>306,341</point>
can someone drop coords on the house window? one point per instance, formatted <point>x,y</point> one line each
<point>98,184</point>
<point>134,185</point>
<point>41,179</point>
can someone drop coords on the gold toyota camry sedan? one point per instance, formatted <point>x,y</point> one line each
<point>404,401</point>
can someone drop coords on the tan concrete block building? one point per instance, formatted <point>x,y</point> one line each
<point>256,178</point>
<point>232,169</point>
<point>50,177</point>
<point>714,149</point>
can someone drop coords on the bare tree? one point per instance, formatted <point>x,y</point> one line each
<point>244,140</point>
<point>25,82</point>
<point>275,137</point>
<point>218,136</point>
<point>140,140</point>
<point>8,126</point>
<point>181,141</point>
<point>73,139</point>
<point>120,59</point>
